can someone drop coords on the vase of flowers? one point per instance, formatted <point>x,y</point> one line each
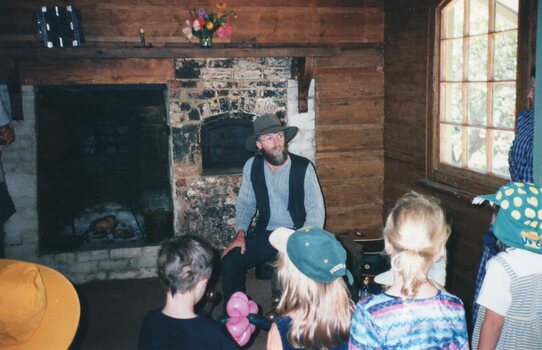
<point>206,40</point>
<point>204,25</point>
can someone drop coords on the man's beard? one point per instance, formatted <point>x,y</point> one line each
<point>275,159</point>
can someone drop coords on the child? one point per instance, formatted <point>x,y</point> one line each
<point>184,266</point>
<point>414,313</point>
<point>315,304</point>
<point>510,314</point>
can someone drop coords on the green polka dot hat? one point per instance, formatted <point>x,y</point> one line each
<point>519,221</point>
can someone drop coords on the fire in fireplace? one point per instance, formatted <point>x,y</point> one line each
<point>103,166</point>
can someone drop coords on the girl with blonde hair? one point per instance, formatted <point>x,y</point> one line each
<point>414,312</point>
<point>315,305</point>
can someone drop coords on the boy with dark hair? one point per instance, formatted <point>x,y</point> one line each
<point>184,266</point>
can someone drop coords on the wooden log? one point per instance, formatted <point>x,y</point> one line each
<point>349,137</point>
<point>103,71</point>
<point>364,110</point>
<point>350,86</point>
<point>340,168</point>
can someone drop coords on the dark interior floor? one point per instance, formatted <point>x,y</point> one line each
<point>112,311</point>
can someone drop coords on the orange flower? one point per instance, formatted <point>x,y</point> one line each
<point>221,5</point>
<point>210,25</point>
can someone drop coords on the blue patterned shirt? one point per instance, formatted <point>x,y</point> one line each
<point>520,157</point>
<point>383,321</point>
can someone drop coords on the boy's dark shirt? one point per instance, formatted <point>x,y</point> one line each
<point>160,332</point>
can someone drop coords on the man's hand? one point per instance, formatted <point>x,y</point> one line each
<point>238,241</point>
<point>7,134</point>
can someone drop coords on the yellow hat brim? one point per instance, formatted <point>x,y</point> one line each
<point>61,318</point>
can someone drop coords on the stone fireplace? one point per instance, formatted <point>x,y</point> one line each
<point>103,166</point>
<point>202,199</point>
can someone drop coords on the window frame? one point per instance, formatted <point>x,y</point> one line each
<point>462,178</point>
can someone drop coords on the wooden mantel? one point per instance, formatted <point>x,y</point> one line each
<point>305,54</point>
<point>178,51</point>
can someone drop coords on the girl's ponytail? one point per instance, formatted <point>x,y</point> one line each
<point>416,233</point>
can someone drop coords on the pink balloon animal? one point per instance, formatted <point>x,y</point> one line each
<point>238,324</point>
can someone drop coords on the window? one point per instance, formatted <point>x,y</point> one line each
<point>478,46</point>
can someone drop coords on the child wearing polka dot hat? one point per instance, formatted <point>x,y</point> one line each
<point>510,299</point>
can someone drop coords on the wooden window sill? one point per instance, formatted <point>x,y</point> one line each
<point>451,191</point>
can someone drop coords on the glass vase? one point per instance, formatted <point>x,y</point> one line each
<point>206,40</point>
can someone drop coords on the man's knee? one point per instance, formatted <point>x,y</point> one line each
<point>232,262</point>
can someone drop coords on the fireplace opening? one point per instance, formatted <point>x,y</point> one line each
<point>223,143</point>
<point>103,166</point>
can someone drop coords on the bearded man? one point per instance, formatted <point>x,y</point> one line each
<point>282,188</point>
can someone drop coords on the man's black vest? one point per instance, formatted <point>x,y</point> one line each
<point>296,198</point>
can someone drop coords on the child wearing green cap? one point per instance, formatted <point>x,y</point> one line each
<point>315,305</point>
<point>415,312</point>
<point>510,314</point>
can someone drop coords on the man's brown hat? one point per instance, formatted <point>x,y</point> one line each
<point>268,124</point>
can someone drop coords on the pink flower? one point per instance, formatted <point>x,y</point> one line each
<point>198,23</point>
<point>224,31</point>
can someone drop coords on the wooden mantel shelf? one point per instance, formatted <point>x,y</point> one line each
<point>305,54</point>
<point>191,51</point>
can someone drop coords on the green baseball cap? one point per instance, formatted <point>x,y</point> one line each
<point>313,251</point>
<point>519,221</point>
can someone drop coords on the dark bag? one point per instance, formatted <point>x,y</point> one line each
<point>365,259</point>
<point>7,208</point>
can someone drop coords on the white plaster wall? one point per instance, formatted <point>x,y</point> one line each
<point>20,164</point>
<point>304,144</point>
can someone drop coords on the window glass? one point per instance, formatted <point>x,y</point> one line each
<point>504,105</point>
<point>452,106</point>
<point>501,145</point>
<point>505,55</point>
<point>452,19</point>
<point>478,58</point>
<point>451,152</point>
<point>477,97</point>
<point>477,103</point>
<point>476,148</point>
<point>506,15</point>
<point>453,54</point>
<point>479,15</point>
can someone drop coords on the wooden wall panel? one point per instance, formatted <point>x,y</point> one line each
<point>97,71</point>
<point>355,218</point>
<point>349,139</point>
<point>317,22</point>
<point>361,110</point>
<point>352,59</point>
<point>342,168</point>
<point>350,85</point>
<point>348,193</point>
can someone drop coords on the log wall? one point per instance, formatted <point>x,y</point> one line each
<point>349,149</point>
<point>264,21</point>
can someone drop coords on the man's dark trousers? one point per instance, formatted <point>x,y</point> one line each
<point>235,265</point>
